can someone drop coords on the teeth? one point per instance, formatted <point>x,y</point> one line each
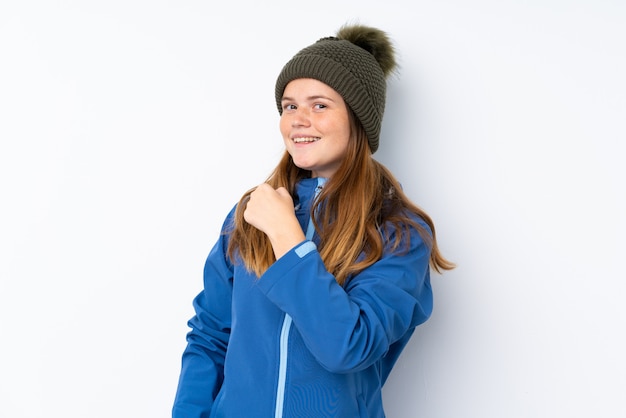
<point>308,139</point>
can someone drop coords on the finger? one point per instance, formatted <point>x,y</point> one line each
<point>263,188</point>
<point>283,192</point>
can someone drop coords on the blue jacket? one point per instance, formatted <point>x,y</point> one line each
<point>294,343</point>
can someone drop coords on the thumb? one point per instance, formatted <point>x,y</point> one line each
<point>282,192</point>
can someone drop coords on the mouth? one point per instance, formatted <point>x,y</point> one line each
<point>306,139</point>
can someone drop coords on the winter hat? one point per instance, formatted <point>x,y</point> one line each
<point>355,63</point>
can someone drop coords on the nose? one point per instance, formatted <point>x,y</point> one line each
<point>300,118</point>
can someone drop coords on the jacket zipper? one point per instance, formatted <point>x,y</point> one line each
<point>282,369</point>
<point>284,333</point>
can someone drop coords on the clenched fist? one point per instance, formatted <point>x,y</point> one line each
<point>271,211</point>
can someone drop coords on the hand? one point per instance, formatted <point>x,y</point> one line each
<point>271,211</point>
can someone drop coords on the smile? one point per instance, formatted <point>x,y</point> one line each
<point>306,139</point>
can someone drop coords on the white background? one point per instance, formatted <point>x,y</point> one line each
<point>129,128</point>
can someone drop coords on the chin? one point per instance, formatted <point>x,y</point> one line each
<point>302,166</point>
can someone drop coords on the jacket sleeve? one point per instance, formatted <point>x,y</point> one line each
<point>202,370</point>
<point>350,329</point>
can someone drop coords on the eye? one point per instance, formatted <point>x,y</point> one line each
<point>320,106</point>
<point>289,106</point>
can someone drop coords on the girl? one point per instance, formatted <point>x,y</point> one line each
<point>322,272</point>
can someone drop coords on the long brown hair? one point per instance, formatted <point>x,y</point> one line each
<point>356,203</point>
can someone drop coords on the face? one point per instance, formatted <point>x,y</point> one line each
<point>315,126</point>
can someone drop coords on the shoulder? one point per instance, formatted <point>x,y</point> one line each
<point>406,231</point>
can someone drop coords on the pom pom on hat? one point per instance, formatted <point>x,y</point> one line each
<point>355,63</point>
<point>373,41</point>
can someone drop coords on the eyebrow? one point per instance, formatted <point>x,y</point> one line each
<point>310,98</point>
